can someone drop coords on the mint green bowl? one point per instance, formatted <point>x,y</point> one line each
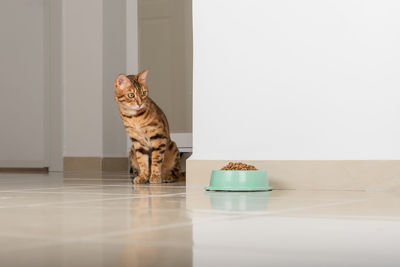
<point>238,181</point>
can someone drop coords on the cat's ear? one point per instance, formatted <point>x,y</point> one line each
<point>142,76</point>
<point>122,82</point>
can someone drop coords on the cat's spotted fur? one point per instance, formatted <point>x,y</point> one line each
<point>153,156</point>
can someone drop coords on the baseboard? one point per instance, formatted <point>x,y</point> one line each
<point>82,164</point>
<point>183,141</point>
<point>96,164</point>
<point>24,170</point>
<point>23,164</point>
<point>116,164</point>
<point>311,174</point>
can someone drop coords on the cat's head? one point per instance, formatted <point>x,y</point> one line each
<point>131,90</point>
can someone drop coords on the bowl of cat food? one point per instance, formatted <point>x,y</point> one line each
<point>238,176</point>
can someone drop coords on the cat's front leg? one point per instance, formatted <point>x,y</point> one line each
<point>142,154</point>
<point>134,170</point>
<point>157,159</point>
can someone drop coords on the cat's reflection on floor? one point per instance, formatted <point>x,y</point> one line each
<point>158,237</point>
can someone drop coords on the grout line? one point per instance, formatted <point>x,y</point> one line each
<point>143,229</point>
<point>30,246</point>
<point>143,186</point>
<point>238,216</point>
<point>69,192</point>
<point>25,235</point>
<point>382,191</point>
<point>354,217</point>
<point>68,187</point>
<point>159,210</point>
<point>120,185</point>
<point>33,190</point>
<point>24,190</point>
<point>96,237</point>
<point>127,179</point>
<point>91,200</point>
<point>258,213</point>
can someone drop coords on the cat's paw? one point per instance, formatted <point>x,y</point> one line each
<point>170,179</point>
<point>139,180</point>
<point>155,179</point>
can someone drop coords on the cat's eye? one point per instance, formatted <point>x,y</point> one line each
<point>143,93</point>
<point>131,95</point>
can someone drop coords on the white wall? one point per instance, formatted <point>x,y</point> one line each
<point>94,54</point>
<point>55,97</point>
<point>296,79</point>
<point>132,45</point>
<point>83,78</point>
<point>114,63</point>
<point>23,84</point>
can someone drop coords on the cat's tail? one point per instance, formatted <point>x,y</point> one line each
<point>180,176</point>
<point>176,170</point>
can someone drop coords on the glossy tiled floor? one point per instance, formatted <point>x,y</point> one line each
<point>52,220</point>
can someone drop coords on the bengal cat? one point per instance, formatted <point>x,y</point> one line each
<point>154,156</point>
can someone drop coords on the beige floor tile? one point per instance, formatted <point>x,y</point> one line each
<point>103,220</point>
<point>100,254</point>
<point>384,206</point>
<point>268,202</point>
<point>88,221</point>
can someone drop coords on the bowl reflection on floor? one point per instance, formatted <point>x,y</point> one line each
<point>238,201</point>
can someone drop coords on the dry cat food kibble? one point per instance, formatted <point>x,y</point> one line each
<point>238,166</point>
